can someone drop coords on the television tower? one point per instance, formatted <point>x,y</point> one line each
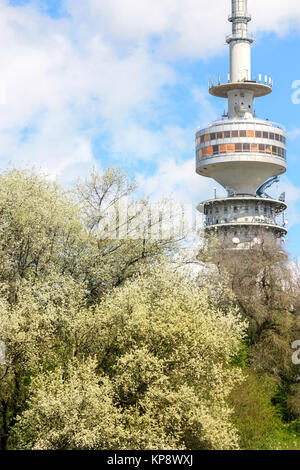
<point>241,152</point>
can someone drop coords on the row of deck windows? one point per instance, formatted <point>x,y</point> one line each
<point>240,148</point>
<point>240,133</point>
<point>237,209</point>
<point>218,221</point>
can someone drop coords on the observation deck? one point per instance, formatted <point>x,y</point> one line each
<point>250,213</point>
<point>242,154</point>
<point>258,89</point>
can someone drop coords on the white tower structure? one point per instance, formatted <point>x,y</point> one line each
<point>242,153</point>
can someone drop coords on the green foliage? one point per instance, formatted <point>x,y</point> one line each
<point>293,401</point>
<point>258,421</point>
<point>108,346</point>
<point>112,343</point>
<point>243,357</point>
<point>164,355</point>
<point>254,415</point>
<point>265,287</point>
<point>72,408</point>
<point>53,266</point>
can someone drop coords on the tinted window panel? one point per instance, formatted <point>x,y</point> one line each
<point>209,151</point>
<point>262,148</point>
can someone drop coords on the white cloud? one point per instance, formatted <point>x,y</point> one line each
<point>59,81</point>
<point>294,133</point>
<point>179,181</point>
<point>275,16</point>
<point>181,29</point>
<point>184,29</point>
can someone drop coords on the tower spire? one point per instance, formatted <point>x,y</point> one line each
<point>240,42</point>
<point>240,77</point>
<point>239,18</point>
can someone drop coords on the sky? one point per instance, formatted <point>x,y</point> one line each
<point>124,82</point>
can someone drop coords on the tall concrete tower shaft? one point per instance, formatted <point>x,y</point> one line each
<point>242,152</point>
<point>240,42</point>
